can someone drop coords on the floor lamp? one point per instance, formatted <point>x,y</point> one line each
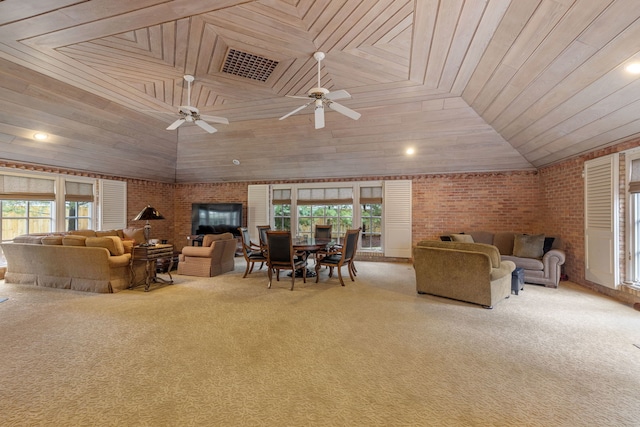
<point>148,214</point>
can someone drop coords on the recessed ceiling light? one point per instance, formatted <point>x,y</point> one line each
<point>40,136</point>
<point>410,151</point>
<point>633,68</point>
<point>236,162</point>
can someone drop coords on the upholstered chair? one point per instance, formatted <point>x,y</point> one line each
<point>214,257</point>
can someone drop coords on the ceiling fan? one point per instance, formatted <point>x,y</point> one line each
<point>191,114</point>
<point>321,97</point>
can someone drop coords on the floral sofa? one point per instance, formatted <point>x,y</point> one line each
<point>540,256</point>
<point>87,260</point>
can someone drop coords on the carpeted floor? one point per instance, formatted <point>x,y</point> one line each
<point>227,351</point>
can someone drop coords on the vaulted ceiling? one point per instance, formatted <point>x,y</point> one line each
<point>470,85</point>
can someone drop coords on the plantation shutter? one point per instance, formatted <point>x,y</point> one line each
<point>397,218</point>
<point>257,209</point>
<point>112,204</point>
<point>601,220</point>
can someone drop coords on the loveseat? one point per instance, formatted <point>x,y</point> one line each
<point>214,257</point>
<point>471,272</point>
<point>87,260</point>
<point>540,256</point>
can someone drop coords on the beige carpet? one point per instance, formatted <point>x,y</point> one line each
<point>227,351</point>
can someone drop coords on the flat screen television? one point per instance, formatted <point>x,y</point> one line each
<point>216,218</point>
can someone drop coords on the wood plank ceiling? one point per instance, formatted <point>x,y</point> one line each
<point>471,85</point>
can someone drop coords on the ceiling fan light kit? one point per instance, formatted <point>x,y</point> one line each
<point>321,96</point>
<point>191,114</point>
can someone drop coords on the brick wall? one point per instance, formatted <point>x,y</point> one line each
<point>476,201</point>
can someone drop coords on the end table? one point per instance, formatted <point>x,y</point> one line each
<point>150,255</point>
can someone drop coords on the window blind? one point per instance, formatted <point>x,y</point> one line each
<point>78,191</point>
<point>634,183</point>
<point>370,195</point>
<point>325,196</point>
<point>26,188</point>
<point>282,196</point>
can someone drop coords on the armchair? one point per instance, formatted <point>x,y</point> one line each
<point>214,257</point>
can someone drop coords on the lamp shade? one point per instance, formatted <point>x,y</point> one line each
<point>147,214</point>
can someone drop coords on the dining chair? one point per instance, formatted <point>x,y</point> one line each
<point>252,253</point>
<point>262,235</point>
<point>281,256</point>
<point>339,257</point>
<point>323,231</point>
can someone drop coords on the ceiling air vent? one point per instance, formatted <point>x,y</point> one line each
<point>247,65</point>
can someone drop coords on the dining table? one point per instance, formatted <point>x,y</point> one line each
<point>310,245</point>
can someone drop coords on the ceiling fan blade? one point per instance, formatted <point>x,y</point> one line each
<point>175,124</point>
<point>297,97</point>
<point>206,126</point>
<point>319,113</point>
<point>215,119</point>
<point>344,110</point>
<point>339,94</point>
<point>295,111</point>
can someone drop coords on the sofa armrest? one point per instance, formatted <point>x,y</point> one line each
<point>119,260</point>
<point>198,251</point>
<point>553,258</point>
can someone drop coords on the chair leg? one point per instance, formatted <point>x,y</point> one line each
<point>246,270</point>
<point>270,277</point>
<point>340,275</point>
<point>317,272</point>
<point>351,273</point>
<point>293,278</point>
<point>353,268</point>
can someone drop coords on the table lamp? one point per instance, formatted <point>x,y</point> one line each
<point>147,214</point>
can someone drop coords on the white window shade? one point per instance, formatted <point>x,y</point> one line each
<point>26,188</point>
<point>325,196</point>
<point>78,191</point>
<point>370,195</point>
<point>282,196</point>
<point>634,183</point>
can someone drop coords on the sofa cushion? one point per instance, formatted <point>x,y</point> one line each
<point>112,243</point>
<point>86,233</point>
<point>465,238</point>
<point>34,240</point>
<point>52,240</point>
<point>482,237</point>
<point>529,264</point>
<point>136,234</point>
<point>528,245</point>
<point>107,233</point>
<point>73,240</point>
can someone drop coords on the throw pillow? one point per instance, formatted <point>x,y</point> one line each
<point>466,238</point>
<point>136,234</point>
<point>548,244</point>
<point>528,246</point>
<point>112,243</point>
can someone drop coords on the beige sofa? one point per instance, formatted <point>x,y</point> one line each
<point>214,257</point>
<point>84,261</point>
<point>471,272</point>
<point>541,257</point>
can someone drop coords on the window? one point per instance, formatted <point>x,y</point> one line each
<point>633,176</point>
<point>282,209</point>
<point>371,216</point>
<point>26,216</point>
<point>339,216</point>
<point>78,206</point>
